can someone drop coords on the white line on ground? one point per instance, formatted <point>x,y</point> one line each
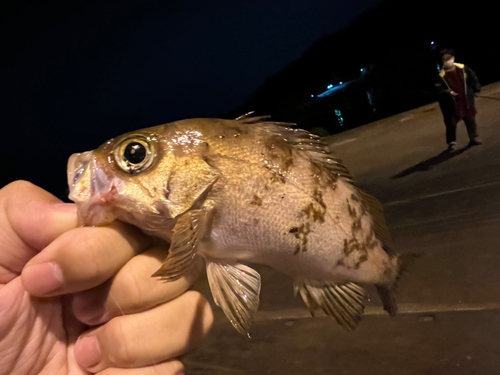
<point>405,201</point>
<point>405,309</point>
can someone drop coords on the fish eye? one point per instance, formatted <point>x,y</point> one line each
<point>134,154</point>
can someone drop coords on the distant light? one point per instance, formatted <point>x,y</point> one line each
<point>340,119</point>
<point>312,96</point>
<point>362,70</point>
<point>330,87</point>
<point>340,82</point>
<point>432,43</point>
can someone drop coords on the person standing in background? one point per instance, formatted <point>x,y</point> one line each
<point>457,85</point>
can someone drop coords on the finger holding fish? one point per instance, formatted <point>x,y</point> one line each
<point>147,338</point>
<point>82,258</point>
<point>132,289</point>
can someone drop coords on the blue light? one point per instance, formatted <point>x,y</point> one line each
<point>340,82</point>
<point>362,70</point>
<point>312,96</point>
<point>432,43</point>
<point>340,119</point>
<point>329,87</point>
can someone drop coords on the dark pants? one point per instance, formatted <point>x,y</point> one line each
<point>451,129</point>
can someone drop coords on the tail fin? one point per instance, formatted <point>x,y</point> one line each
<point>386,293</point>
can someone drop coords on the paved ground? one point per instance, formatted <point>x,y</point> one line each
<point>446,206</point>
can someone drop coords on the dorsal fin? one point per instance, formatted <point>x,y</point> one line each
<point>309,145</point>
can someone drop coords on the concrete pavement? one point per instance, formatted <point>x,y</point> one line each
<point>446,206</point>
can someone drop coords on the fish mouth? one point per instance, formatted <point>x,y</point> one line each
<point>93,191</point>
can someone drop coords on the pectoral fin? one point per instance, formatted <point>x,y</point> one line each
<point>191,179</point>
<point>342,302</point>
<point>236,290</point>
<point>186,233</point>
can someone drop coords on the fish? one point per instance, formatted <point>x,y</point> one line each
<point>242,192</point>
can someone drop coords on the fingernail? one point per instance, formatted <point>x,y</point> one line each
<point>43,278</point>
<point>87,351</point>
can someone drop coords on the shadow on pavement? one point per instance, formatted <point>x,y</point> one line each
<point>431,162</point>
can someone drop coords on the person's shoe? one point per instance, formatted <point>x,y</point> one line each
<point>452,146</point>
<point>476,142</point>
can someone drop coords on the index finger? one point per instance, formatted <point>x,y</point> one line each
<point>30,219</point>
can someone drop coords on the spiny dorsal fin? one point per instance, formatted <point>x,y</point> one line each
<point>344,302</point>
<point>236,289</point>
<point>309,145</point>
<point>183,248</point>
<point>248,119</point>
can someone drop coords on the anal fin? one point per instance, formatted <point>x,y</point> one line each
<point>183,247</point>
<point>235,288</point>
<point>343,302</point>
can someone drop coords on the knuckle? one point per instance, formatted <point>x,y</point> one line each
<point>19,186</point>
<point>136,293</point>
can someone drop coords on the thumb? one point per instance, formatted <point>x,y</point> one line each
<point>30,219</point>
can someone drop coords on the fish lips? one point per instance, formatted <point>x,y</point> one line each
<point>91,189</point>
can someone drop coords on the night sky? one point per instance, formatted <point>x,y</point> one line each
<point>76,73</point>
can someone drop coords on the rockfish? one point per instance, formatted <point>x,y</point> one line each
<point>244,191</point>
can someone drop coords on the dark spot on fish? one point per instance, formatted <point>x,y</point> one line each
<point>352,211</point>
<point>351,246</point>
<point>297,250</point>
<point>356,224</point>
<point>340,263</point>
<point>256,201</point>
<point>167,189</point>
<point>266,187</point>
<point>288,163</point>
<point>256,221</point>
<point>387,271</point>
<point>363,258</point>
<point>301,234</point>
<point>283,197</point>
<point>277,177</point>
<point>355,198</point>
<point>314,213</point>
<point>318,197</point>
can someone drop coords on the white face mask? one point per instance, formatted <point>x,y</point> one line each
<point>449,63</point>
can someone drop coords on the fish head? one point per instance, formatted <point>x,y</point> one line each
<point>122,180</point>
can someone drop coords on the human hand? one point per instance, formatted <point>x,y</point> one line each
<point>454,93</point>
<point>92,283</point>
